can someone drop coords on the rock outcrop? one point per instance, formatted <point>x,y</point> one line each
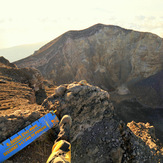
<point>30,76</point>
<point>107,56</point>
<point>131,110</point>
<point>147,134</point>
<point>98,134</point>
<point>4,61</point>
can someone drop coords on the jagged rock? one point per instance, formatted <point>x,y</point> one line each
<point>107,56</point>
<point>15,119</point>
<point>59,91</point>
<point>131,110</point>
<point>6,62</point>
<point>30,76</point>
<point>147,134</point>
<point>34,77</point>
<point>9,161</point>
<point>97,133</point>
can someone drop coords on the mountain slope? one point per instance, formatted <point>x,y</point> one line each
<point>108,56</point>
<point>149,91</point>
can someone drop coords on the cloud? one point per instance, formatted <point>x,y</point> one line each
<point>7,20</point>
<point>145,18</point>
<point>148,24</point>
<point>2,21</point>
<point>152,23</point>
<point>43,19</point>
<point>140,17</point>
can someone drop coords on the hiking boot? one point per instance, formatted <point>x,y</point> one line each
<point>64,125</point>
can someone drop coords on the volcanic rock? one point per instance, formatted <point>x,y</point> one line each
<point>147,133</point>
<point>30,76</point>
<point>131,110</point>
<point>97,133</point>
<point>6,62</point>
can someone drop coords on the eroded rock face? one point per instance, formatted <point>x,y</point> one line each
<point>34,77</point>
<point>146,132</point>
<point>30,76</point>
<point>107,56</point>
<point>97,133</point>
<point>4,61</point>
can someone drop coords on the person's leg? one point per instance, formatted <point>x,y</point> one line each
<point>61,151</point>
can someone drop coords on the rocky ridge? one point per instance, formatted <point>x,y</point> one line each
<point>98,134</point>
<point>147,133</point>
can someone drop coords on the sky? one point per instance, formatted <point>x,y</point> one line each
<point>31,21</point>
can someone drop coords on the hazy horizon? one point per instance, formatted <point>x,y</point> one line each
<point>16,53</point>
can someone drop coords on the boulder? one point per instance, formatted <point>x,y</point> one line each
<point>97,133</point>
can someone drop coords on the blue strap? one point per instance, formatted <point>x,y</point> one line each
<point>27,135</point>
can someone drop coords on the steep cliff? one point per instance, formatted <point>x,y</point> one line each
<point>108,56</point>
